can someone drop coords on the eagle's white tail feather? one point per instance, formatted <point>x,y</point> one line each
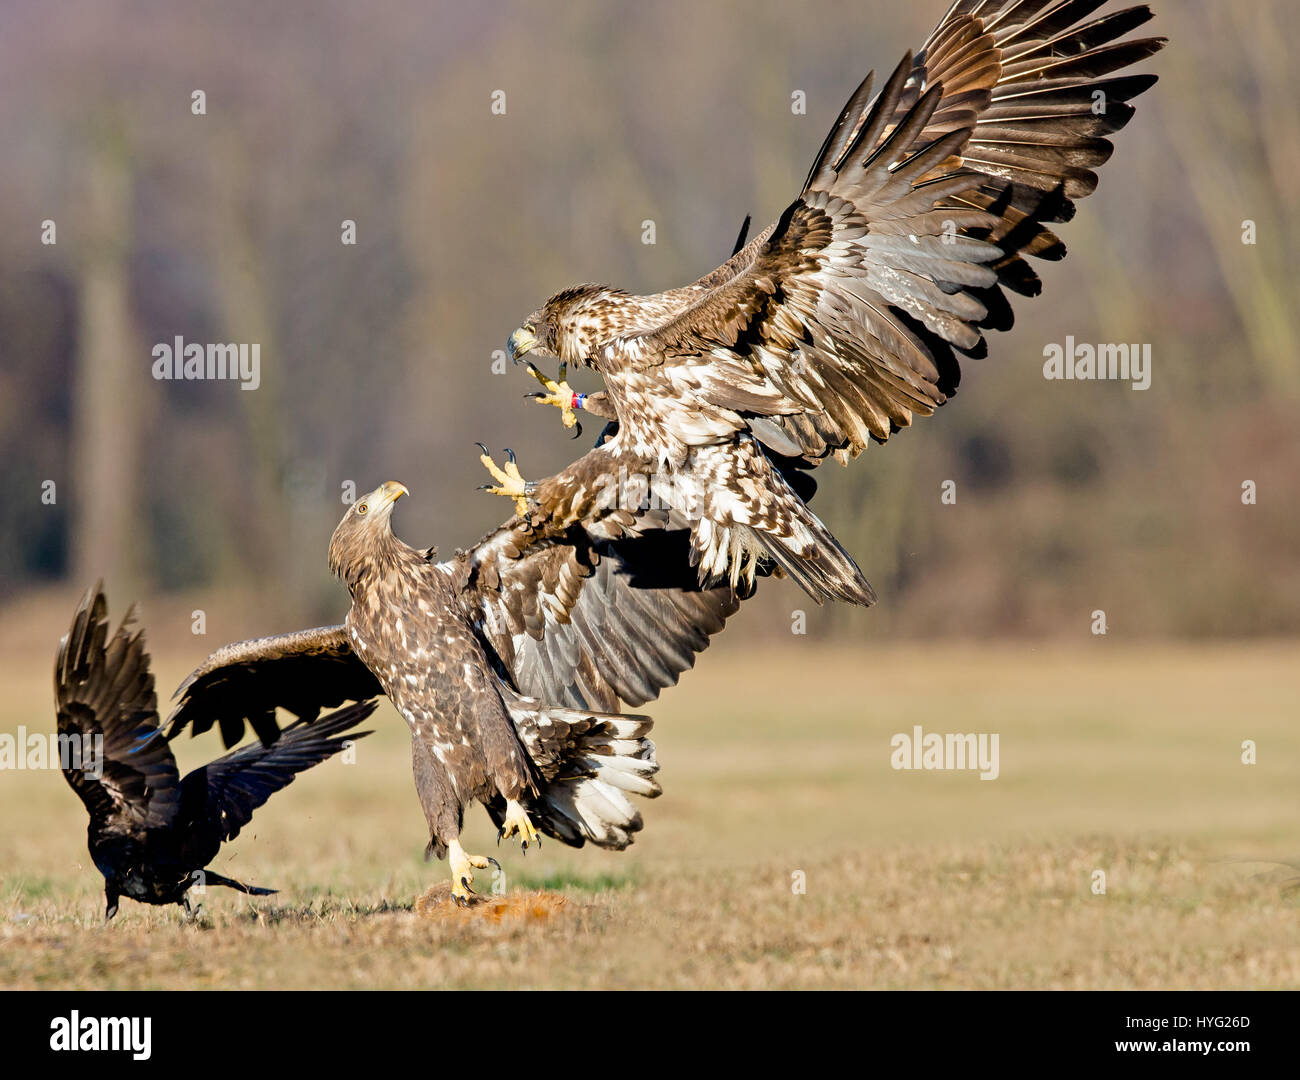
<point>620,727</point>
<point>618,748</point>
<point>595,760</point>
<point>626,773</point>
<point>593,810</point>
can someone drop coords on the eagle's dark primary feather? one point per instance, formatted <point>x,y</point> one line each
<point>845,319</point>
<point>150,831</point>
<point>302,672</point>
<point>743,235</point>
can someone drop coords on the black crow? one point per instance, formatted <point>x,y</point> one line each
<point>152,834</point>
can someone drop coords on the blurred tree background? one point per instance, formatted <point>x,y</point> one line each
<point>376,358</point>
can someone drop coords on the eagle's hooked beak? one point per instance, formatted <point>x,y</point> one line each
<point>388,492</point>
<point>521,341</point>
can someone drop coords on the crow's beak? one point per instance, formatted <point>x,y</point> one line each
<point>521,342</point>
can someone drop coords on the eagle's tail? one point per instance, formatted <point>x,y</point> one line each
<point>748,510</point>
<point>825,571</point>
<point>594,761</point>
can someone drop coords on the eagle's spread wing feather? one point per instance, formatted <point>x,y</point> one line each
<point>218,799</point>
<point>105,688</point>
<point>302,672</point>
<point>610,612</point>
<point>607,610</point>
<point>842,321</point>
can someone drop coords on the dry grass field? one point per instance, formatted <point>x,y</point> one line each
<point>1125,760</point>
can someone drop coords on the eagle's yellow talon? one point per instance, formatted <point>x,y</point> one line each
<point>509,482</point>
<point>517,823</point>
<point>463,866</point>
<point>559,394</point>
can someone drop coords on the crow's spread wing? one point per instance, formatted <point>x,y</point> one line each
<point>107,717</point>
<point>218,799</point>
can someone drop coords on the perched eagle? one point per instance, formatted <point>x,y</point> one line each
<point>845,318</point>
<point>152,833</point>
<point>508,666</point>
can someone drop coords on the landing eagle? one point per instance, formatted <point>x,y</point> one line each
<point>508,665</point>
<point>844,319</point>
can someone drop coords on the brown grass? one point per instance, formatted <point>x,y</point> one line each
<point>1113,759</point>
<point>522,907</point>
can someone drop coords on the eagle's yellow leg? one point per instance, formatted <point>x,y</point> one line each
<point>508,480</point>
<point>518,824</point>
<point>463,866</point>
<point>560,394</point>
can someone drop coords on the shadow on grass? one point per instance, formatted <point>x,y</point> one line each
<point>324,909</point>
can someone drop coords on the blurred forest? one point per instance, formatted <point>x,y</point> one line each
<point>376,358</point>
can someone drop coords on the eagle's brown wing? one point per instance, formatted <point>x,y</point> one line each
<point>842,321</point>
<point>302,672</point>
<point>104,690</point>
<point>605,611</point>
<point>609,611</point>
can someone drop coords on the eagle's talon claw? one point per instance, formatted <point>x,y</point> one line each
<point>558,393</point>
<point>518,823</point>
<point>462,871</point>
<point>509,482</point>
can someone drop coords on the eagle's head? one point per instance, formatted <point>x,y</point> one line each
<point>571,325</point>
<point>363,544</point>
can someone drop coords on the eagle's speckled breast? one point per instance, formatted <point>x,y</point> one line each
<point>409,631</point>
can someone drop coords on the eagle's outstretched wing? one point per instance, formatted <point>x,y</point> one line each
<point>104,690</point>
<point>843,320</point>
<point>302,672</point>
<point>608,612</point>
<point>218,799</point>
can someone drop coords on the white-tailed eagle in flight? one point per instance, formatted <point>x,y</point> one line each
<point>845,319</point>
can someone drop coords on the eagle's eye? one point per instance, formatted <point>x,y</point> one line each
<point>362,509</point>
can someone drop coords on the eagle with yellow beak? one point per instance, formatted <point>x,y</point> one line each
<point>508,666</point>
<point>844,320</point>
